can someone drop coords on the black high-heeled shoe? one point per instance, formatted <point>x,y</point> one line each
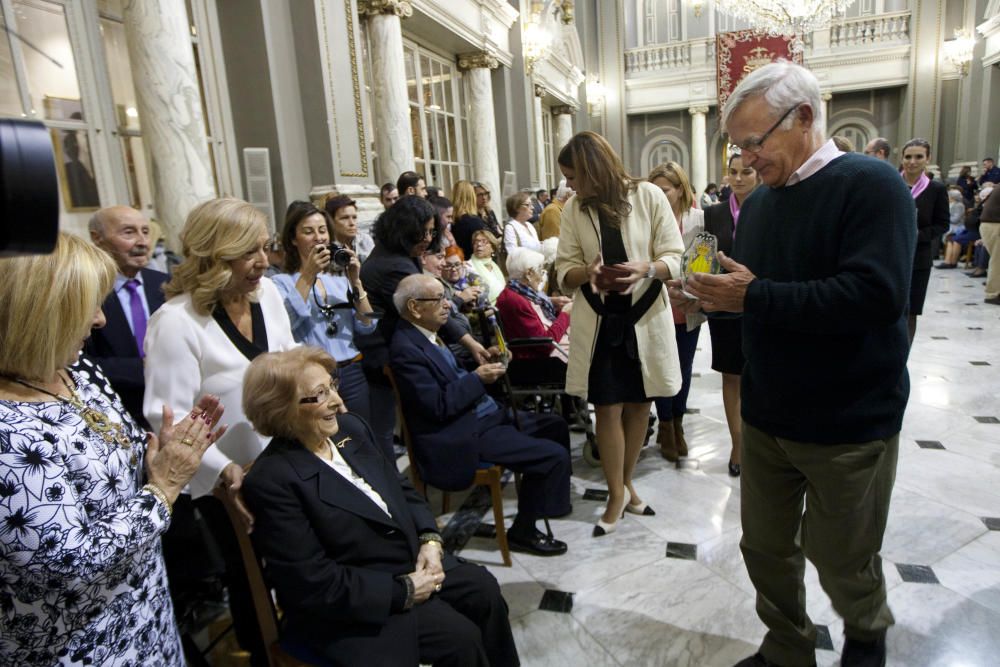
<point>734,469</point>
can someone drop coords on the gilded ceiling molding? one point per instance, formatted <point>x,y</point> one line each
<point>401,8</point>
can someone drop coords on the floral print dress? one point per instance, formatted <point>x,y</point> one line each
<point>82,579</point>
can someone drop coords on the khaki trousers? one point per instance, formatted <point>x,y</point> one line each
<point>990,232</point>
<point>845,490</point>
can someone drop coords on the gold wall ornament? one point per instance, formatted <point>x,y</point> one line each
<point>540,90</point>
<point>477,60</point>
<point>567,11</point>
<point>401,8</point>
<point>356,82</point>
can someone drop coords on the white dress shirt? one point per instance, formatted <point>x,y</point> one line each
<point>822,157</point>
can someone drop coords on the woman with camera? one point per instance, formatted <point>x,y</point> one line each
<point>326,309</point>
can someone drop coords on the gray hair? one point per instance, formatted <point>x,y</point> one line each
<point>411,287</point>
<point>563,192</point>
<point>783,85</point>
<point>96,224</point>
<point>522,260</point>
<point>550,247</point>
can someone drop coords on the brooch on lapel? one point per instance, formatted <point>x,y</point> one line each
<point>340,444</point>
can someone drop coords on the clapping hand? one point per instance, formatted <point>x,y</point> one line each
<point>173,458</point>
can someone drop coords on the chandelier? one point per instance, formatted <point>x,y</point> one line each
<point>786,17</point>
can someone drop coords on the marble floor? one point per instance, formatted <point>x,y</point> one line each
<point>672,589</point>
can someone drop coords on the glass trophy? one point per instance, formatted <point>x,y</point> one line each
<point>700,257</point>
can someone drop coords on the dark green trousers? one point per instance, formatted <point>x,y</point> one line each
<point>845,492</point>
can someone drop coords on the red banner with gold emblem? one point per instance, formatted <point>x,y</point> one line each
<point>741,52</point>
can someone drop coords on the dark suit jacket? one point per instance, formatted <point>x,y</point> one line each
<point>440,409</point>
<point>114,347</point>
<point>932,222</point>
<point>330,553</point>
<point>380,275</point>
<point>719,221</point>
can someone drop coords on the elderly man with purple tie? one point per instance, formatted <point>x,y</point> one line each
<point>123,233</point>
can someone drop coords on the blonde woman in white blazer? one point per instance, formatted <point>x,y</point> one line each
<point>617,232</point>
<point>673,181</point>
<point>220,313</point>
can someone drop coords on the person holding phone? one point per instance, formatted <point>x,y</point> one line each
<point>618,241</point>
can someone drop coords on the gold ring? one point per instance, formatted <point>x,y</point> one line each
<point>188,441</point>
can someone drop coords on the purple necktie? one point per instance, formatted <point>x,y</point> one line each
<point>138,314</point>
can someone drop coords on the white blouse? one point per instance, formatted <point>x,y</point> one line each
<point>188,355</point>
<point>520,235</point>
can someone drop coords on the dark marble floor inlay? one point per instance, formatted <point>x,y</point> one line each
<point>692,411</point>
<point>940,311</point>
<point>992,522</point>
<point>980,363</point>
<point>465,522</point>
<point>987,420</point>
<point>559,601</point>
<point>939,338</point>
<point>696,375</point>
<point>916,574</point>
<point>824,641</point>
<point>682,550</point>
<point>971,304</point>
<point>595,494</point>
<point>975,328</point>
<point>930,444</point>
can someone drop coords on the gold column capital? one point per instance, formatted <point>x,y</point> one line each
<point>478,60</point>
<point>401,8</point>
<point>540,90</point>
<point>564,110</point>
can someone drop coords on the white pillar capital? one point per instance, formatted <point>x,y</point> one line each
<point>698,110</point>
<point>478,60</point>
<point>564,110</point>
<point>401,8</point>
<point>540,90</point>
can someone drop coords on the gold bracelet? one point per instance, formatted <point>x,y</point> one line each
<point>361,296</point>
<point>158,492</point>
<point>432,538</point>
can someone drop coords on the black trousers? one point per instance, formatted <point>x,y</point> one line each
<point>539,451</point>
<point>465,625</point>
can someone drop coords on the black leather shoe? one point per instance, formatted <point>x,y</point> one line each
<point>734,469</point>
<point>538,544</point>
<point>863,654</point>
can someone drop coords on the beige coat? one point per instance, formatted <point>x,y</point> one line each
<point>650,233</point>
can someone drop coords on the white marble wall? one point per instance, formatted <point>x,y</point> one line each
<point>170,109</point>
<point>482,129</point>
<point>391,113</point>
<point>699,150</point>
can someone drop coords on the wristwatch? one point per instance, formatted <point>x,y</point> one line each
<point>651,272</point>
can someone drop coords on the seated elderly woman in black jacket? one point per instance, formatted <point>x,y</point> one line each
<point>351,548</point>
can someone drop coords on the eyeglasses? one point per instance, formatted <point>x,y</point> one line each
<point>757,145</point>
<point>452,267</point>
<point>436,299</point>
<point>323,394</point>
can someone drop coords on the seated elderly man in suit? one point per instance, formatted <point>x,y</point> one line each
<point>123,233</point>
<point>456,426</point>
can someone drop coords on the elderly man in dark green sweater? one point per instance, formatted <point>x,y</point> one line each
<point>820,270</point>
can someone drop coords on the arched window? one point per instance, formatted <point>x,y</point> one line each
<point>858,131</point>
<point>663,148</point>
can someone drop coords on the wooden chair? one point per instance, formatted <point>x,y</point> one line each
<point>265,612</point>
<point>488,476</point>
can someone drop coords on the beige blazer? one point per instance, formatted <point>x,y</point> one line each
<point>650,233</point>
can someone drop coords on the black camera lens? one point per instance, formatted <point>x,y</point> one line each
<point>339,255</point>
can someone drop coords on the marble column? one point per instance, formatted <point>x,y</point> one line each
<point>826,97</point>
<point>169,105</point>
<point>391,112</point>
<point>699,150</point>
<point>564,128</point>
<point>540,92</point>
<point>482,121</point>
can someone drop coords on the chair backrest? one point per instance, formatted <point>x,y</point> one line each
<point>418,482</point>
<point>267,619</point>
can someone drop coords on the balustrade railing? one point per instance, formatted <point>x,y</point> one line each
<point>866,32</point>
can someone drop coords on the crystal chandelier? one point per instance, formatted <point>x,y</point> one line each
<point>786,17</point>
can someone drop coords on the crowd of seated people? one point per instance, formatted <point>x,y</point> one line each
<point>291,334</point>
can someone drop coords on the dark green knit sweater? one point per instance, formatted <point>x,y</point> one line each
<point>824,326</point>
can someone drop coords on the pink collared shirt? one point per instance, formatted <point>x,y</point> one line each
<point>822,157</point>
